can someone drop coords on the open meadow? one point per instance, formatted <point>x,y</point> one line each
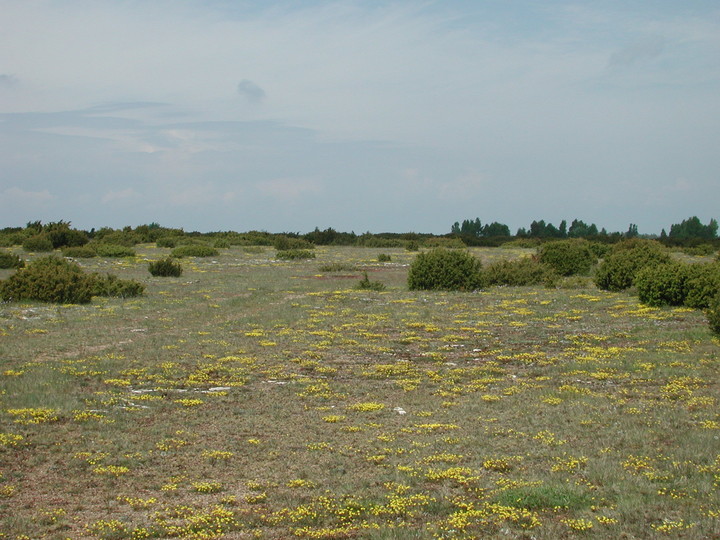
<point>258,398</point>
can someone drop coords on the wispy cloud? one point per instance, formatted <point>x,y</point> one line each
<point>250,91</point>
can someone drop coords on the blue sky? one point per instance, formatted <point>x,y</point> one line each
<point>366,116</point>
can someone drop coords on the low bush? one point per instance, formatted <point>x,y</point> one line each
<point>617,272</point>
<point>412,245</point>
<point>113,250</point>
<point>713,314</point>
<point>702,285</point>
<point>294,254</point>
<point>110,285</point>
<point>40,243</point>
<point>366,284</point>
<point>194,250</point>
<point>600,249</point>
<point>48,279</point>
<point>701,250</point>
<point>79,252</point>
<point>520,272</point>
<point>384,257</point>
<point>443,269</point>
<point>166,242</point>
<point>9,260</point>
<point>286,243</point>
<point>663,284</point>
<point>568,257</point>
<point>221,243</point>
<point>57,280</point>
<point>165,268</point>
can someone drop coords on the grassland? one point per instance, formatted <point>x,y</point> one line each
<point>257,398</point>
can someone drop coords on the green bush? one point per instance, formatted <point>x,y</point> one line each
<point>61,235</point>
<point>366,284</point>
<point>79,252</point>
<point>412,245</point>
<point>568,257</point>
<point>617,272</point>
<point>221,243</point>
<point>165,268</point>
<point>109,285</point>
<point>713,314</point>
<point>194,250</point>
<point>600,249</point>
<point>48,279</point>
<point>293,254</point>
<point>443,269</point>
<point>285,243</point>
<point>384,257</point>
<point>520,272</point>
<point>8,260</point>
<point>125,237</point>
<point>701,250</point>
<point>166,242</point>
<point>39,243</point>
<point>663,284</point>
<point>113,250</point>
<point>703,284</point>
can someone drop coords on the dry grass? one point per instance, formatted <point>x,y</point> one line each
<point>257,398</point>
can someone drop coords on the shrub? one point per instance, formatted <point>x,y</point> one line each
<point>384,257</point>
<point>442,269</point>
<point>61,235</point>
<point>166,242</point>
<point>366,284</point>
<point>412,245</point>
<point>568,257</point>
<point>701,250</point>
<point>39,243</point>
<point>221,243</point>
<point>600,249</point>
<point>662,284</point>
<point>109,285</point>
<point>285,243</point>
<point>8,260</point>
<point>113,250</point>
<point>293,254</point>
<point>520,272</point>
<point>165,268</point>
<point>713,314</point>
<point>194,250</point>
<point>702,285</point>
<point>79,252</point>
<point>48,279</point>
<point>617,272</point>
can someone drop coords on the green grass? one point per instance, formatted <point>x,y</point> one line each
<point>252,397</point>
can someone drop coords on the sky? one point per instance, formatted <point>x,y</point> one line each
<point>379,116</point>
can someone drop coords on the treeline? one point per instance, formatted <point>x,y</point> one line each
<point>690,232</point>
<point>38,236</point>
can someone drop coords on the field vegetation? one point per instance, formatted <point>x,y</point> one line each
<point>254,396</point>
